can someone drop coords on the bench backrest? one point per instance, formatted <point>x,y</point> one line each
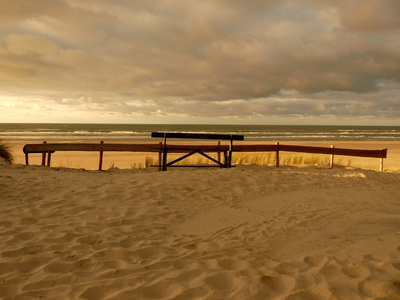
<point>207,136</point>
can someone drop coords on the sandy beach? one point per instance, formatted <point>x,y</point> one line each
<point>257,82</point>
<point>249,232</point>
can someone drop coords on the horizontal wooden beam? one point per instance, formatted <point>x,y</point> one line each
<point>207,136</point>
<point>171,148</point>
<point>52,147</point>
<point>203,148</point>
<point>310,149</point>
<point>39,148</point>
<point>253,148</point>
<point>336,151</point>
<point>193,166</point>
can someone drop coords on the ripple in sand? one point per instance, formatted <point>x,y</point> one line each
<point>222,281</point>
<point>302,295</point>
<point>164,289</point>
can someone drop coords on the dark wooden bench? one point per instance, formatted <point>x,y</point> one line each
<point>197,149</point>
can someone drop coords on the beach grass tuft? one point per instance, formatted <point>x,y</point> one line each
<point>5,152</point>
<point>256,159</point>
<point>138,166</point>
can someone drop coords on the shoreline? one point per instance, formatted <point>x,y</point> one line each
<point>129,160</point>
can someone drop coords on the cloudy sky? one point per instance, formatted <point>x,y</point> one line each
<point>208,61</point>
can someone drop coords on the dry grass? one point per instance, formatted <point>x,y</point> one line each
<point>256,159</point>
<point>5,152</point>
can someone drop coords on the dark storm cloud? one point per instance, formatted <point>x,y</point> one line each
<point>206,58</point>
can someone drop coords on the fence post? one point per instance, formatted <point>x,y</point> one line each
<point>160,157</point>
<point>219,153</point>
<point>277,154</point>
<point>164,167</point>
<point>332,157</point>
<point>101,157</point>
<point>48,158</point>
<point>44,156</point>
<point>230,152</point>
<point>381,165</point>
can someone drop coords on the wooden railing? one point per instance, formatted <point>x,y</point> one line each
<point>332,151</point>
<point>46,149</point>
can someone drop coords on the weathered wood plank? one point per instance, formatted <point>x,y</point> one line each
<point>311,149</point>
<point>195,166</point>
<point>39,148</point>
<point>101,158</point>
<point>254,148</point>
<point>277,155</point>
<point>207,136</point>
<point>361,153</point>
<point>336,151</point>
<point>204,148</point>
<point>52,147</point>
<point>44,156</point>
<point>48,158</point>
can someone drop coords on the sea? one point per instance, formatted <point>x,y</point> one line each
<point>142,132</point>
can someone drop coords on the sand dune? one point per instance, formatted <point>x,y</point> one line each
<point>251,232</point>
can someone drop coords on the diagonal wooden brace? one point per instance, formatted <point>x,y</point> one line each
<point>212,159</point>
<point>180,158</point>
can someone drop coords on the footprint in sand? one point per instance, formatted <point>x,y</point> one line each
<point>163,289</point>
<point>356,271</point>
<point>375,260</point>
<point>222,281</point>
<point>304,295</point>
<point>396,265</point>
<point>308,281</point>
<point>278,284</point>
<point>374,288</point>
<point>148,252</point>
<point>128,242</point>
<point>85,264</point>
<point>58,267</point>
<point>314,261</point>
<point>287,269</point>
<point>91,239</point>
<point>232,264</point>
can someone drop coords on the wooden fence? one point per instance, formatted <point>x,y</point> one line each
<point>46,149</point>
